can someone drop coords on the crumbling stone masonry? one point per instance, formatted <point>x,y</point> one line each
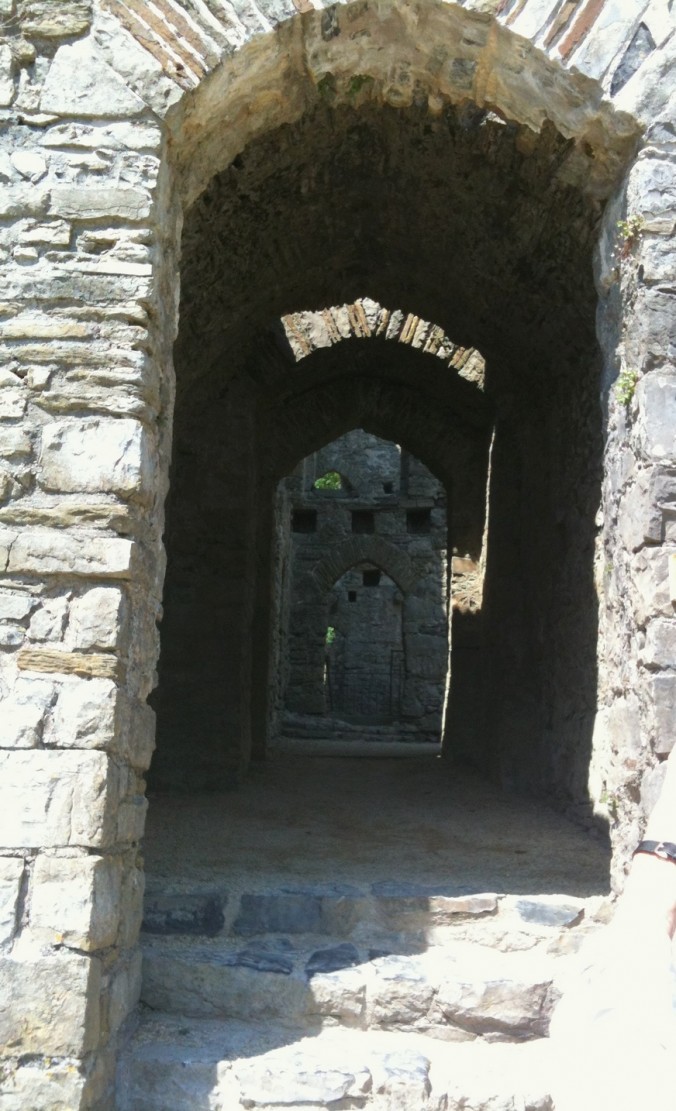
<point>467,162</point>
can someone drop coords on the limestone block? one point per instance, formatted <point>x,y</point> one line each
<point>37,325</point>
<point>56,661</point>
<point>340,996</point>
<point>6,80</point>
<point>49,1005</point>
<point>640,519</point>
<point>99,202</point>
<point>30,164</point>
<point>21,724</point>
<point>482,1004</point>
<point>80,83</point>
<point>45,19</point>
<point>623,725</point>
<point>651,787</point>
<point>23,200</point>
<point>659,649</point>
<point>95,618</point>
<point>656,258</point>
<point>656,393</point>
<point>120,135</point>
<point>404,1078</point>
<point>12,402</point>
<point>11,636</point>
<point>131,820</point>
<point>56,1087</point>
<point>85,714</point>
<point>131,904</point>
<point>651,338</point>
<point>122,991</point>
<point>650,577</point>
<point>14,442</point>
<point>48,621</point>
<point>75,900</point>
<point>51,798</point>
<point>11,872</point>
<point>651,190</point>
<point>50,551</point>
<point>15,605</point>
<point>663,703</point>
<point>97,455</point>
<point>137,66</point>
<point>298,1079</point>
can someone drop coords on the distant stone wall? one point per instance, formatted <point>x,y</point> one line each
<point>389,659</point>
<point>116,117</point>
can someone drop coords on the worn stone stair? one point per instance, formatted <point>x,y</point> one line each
<point>179,1064</point>
<point>388,995</point>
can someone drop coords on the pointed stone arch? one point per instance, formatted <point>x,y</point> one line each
<point>365,549</point>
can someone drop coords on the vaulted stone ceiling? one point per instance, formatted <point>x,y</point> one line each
<point>462,218</point>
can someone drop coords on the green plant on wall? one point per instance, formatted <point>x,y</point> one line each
<point>630,231</point>
<point>329,481</point>
<point>330,635</point>
<point>625,387</point>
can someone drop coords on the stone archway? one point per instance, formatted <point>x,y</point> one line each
<point>86,418</point>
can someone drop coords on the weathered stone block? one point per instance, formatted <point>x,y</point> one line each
<point>49,1005</point>
<point>200,914</point>
<point>122,991</point>
<point>298,1080</point>
<point>14,442</point>
<point>50,798</point>
<point>57,661</point>
<point>94,455</point>
<point>651,787</point>
<point>663,702</point>
<point>85,714</point>
<point>11,872</point>
<point>652,188</point>
<point>656,394</point>
<point>94,203</point>
<point>49,620</point>
<point>95,618</point>
<point>49,551</point>
<point>640,519</point>
<point>131,819</point>
<point>15,605</point>
<point>291,913</point>
<point>75,900</point>
<point>80,83</point>
<point>21,723</point>
<point>651,340</point>
<point>45,19</point>
<point>56,1087</point>
<point>660,644</point>
<point>650,576</point>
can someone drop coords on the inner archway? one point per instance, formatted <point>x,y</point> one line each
<point>364,606</point>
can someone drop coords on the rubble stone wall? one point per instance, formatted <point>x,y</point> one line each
<point>116,116</point>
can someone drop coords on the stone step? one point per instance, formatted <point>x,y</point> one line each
<point>174,1063</point>
<point>456,992</point>
<point>411,915</point>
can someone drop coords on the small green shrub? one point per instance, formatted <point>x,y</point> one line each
<point>625,387</point>
<point>630,231</point>
<point>329,481</point>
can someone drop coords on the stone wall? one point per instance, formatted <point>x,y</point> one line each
<point>116,118</point>
<point>389,658</point>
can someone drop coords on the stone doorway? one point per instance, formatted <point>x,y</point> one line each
<point>362,596</point>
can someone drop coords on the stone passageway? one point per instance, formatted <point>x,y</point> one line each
<point>321,936</point>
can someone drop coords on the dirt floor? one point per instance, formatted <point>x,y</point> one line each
<point>367,819</point>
